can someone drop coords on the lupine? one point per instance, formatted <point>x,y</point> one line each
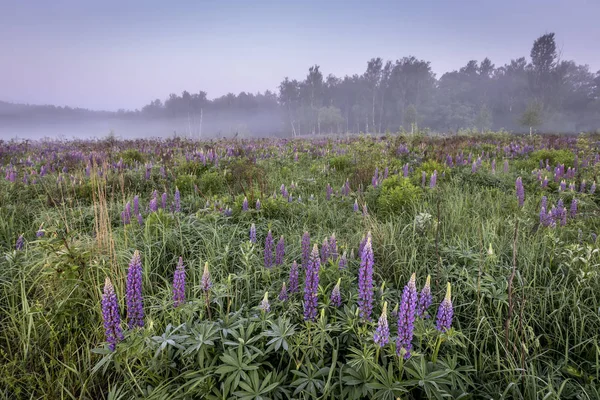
<point>364,210</point>
<point>253,233</point>
<point>283,294</point>
<point>305,249</point>
<point>325,250</point>
<point>257,204</point>
<point>163,200</point>
<point>311,285</point>
<point>505,166</point>
<point>177,200</point>
<point>582,187</point>
<point>206,282</point>
<point>140,219</point>
<point>153,206</point>
<point>593,188</point>
<point>333,253</point>
<point>406,318</point>
<point>134,300</point>
<point>20,243</point>
<point>425,299</point>
<point>494,166</point>
<point>336,295</point>
<point>126,214</point>
<point>381,336</point>
<point>433,179</point>
<point>545,182</point>
<point>520,191</point>
<point>343,261</point>
<point>110,315</point>
<point>405,170</point>
<point>365,281</point>
<point>355,205</point>
<point>40,233</point>
<point>264,304</point>
<point>179,284</point>
<point>136,205</point>
<point>245,204</point>
<point>445,312</point>
<point>573,208</point>
<point>563,186</point>
<point>294,278</point>
<point>269,250</point>
<point>280,251</point>
<point>329,192</point>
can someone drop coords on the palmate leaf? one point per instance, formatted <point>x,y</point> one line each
<point>236,365</point>
<point>434,382</point>
<point>387,387</point>
<point>255,388</point>
<point>279,331</point>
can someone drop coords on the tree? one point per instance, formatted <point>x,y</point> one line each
<point>532,117</point>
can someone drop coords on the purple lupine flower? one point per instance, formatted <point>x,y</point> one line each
<point>245,204</point>
<point>333,247</point>
<point>283,294</point>
<point>445,312</point>
<point>264,304</point>
<point>545,182</point>
<point>269,250</point>
<point>364,210</point>
<point>433,179</point>
<point>294,277</point>
<point>253,233</point>
<point>355,205</point>
<point>179,284</point>
<point>305,249</point>
<point>572,186</point>
<point>311,285</point>
<point>163,201</point>
<point>494,166</point>
<point>425,299</point>
<point>280,251</point>
<point>110,315</point>
<point>206,282</point>
<point>329,192</point>
<point>134,299</point>
<point>361,245</point>
<point>573,209</point>
<point>563,186</point>
<point>336,294</point>
<point>40,233</point>
<point>126,214</point>
<point>406,318</point>
<point>593,188</point>
<point>257,204</point>
<point>520,191</point>
<point>325,250</point>
<point>153,206</point>
<point>136,205</point>
<point>177,200</point>
<point>405,170</point>
<point>381,336</point>
<point>582,187</point>
<point>505,166</point>
<point>20,243</point>
<point>140,219</point>
<point>343,261</point>
<point>473,167</point>
<point>365,281</point>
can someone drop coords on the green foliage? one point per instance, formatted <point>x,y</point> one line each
<point>131,157</point>
<point>212,182</point>
<point>397,193</point>
<point>554,157</point>
<point>341,163</point>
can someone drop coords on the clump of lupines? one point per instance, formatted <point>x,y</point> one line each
<point>365,281</point>
<point>305,249</point>
<point>425,299</point>
<point>280,251</point>
<point>245,204</point>
<point>406,318</point>
<point>134,299</point>
<point>381,336</point>
<point>253,233</point>
<point>336,294</point>
<point>264,304</point>
<point>520,191</point>
<point>311,285</point>
<point>294,278</point>
<point>343,261</point>
<point>283,294</point>
<point>206,282</point>
<point>269,250</point>
<point>110,315</point>
<point>177,200</point>
<point>445,312</point>
<point>20,242</point>
<point>179,284</point>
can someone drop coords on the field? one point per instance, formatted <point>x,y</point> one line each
<point>275,269</point>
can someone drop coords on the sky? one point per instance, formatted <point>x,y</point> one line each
<point>123,54</point>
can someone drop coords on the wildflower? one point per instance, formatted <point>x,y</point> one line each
<point>445,312</point>
<point>40,233</point>
<point>329,192</point>
<point>336,295</point>
<point>405,170</point>
<point>136,205</point>
<point>425,298</point>
<point>179,284</point>
<point>294,278</point>
<point>134,300</point>
<point>177,200</point>
<point>283,294</point>
<point>325,250</point>
<point>343,261</point>
<point>264,304</point>
<point>573,209</point>
<point>365,281</point>
<point>311,285</point>
<point>126,214</point>
<point>269,250</point>
<point>110,315</point>
<point>333,247</point>
<point>520,191</point>
<point>433,179</point>
<point>163,200</point>
<point>257,204</point>
<point>364,210</point>
<point>505,166</point>
<point>355,205</point>
<point>563,186</point>
<point>140,219</point>
<point>382,333</point>
<point>253,233</point>
<point>406,318</point>
<point>305,249</point>
<point>494,166</point>
<point>280,251</point>
<point>593,188</point>
<point>582,187</point>
<point>206,282</point>
<point>20,242</point>
<point>245,204</point>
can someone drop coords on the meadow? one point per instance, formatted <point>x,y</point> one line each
<point>359,267</point>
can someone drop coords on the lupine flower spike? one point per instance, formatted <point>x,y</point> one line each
<point>406,318</point>
<point>365,281</point>
<point>283,294</point>
<point>269,250</point>
<point>264,304</point>
<point>445,312</point>
<point>253,233</point>
<point>425,299</point>
<point>305,249</point>
<point>382,333</point>
<point>206,282</point>
<point>280,251</point>
<point>179,284</point>
<point>520,191</point>
<point>110,315</point>
<point>134,300</point>
<point>336,295</point>
<point>311,285</point>
<point>294,278</point>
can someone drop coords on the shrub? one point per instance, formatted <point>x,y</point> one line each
<point>212,182</point>
<point>396,194</point>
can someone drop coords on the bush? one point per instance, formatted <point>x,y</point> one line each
<point>131,156</point>
<point>341,163</point>
<point>212,182</point>
<point>396,194</point>
<point>562,156</point>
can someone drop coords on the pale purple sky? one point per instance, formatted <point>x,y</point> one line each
<point>122,54</point>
